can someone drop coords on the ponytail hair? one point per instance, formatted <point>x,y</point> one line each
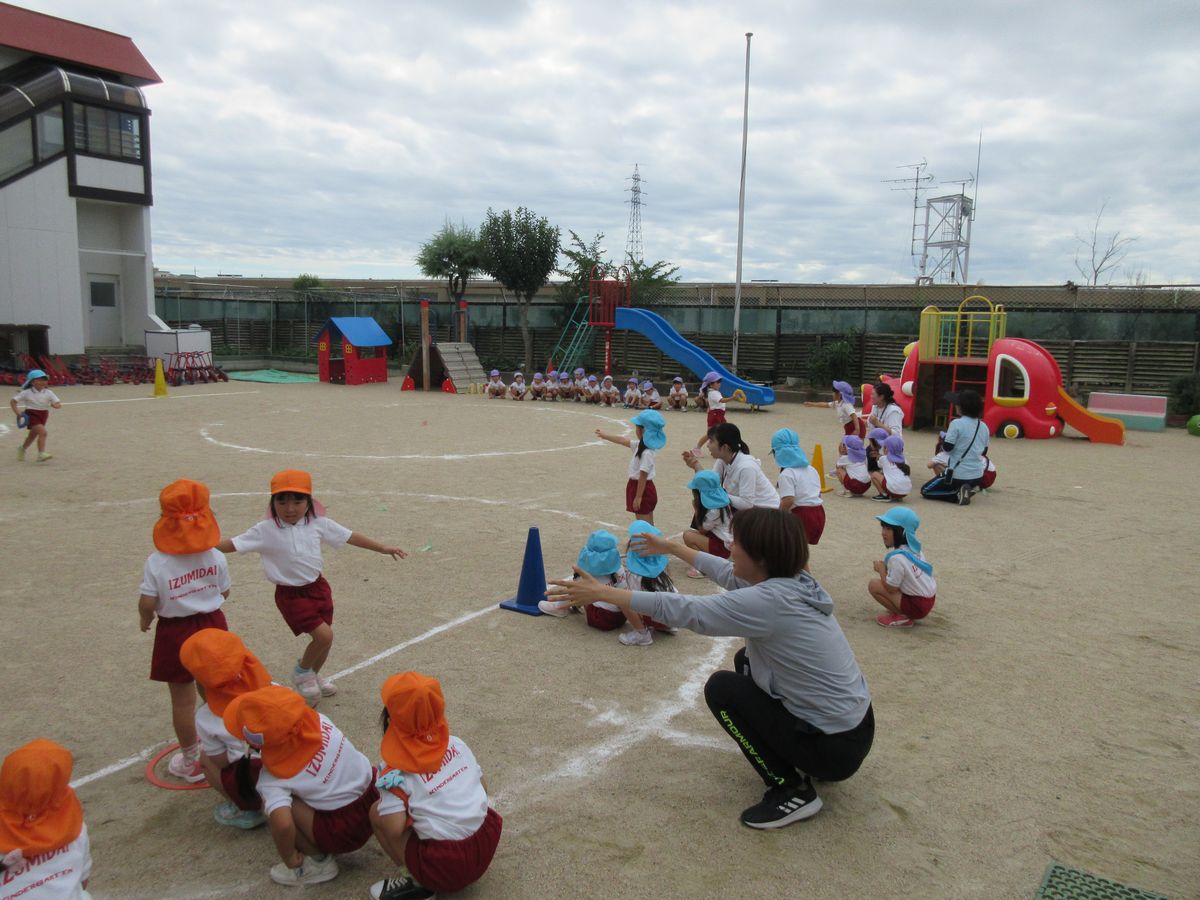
<point>729,435</point>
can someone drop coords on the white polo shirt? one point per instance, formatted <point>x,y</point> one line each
<point>902,574</point>
<point>718,526</point>
<point>714,400</point>
<point>337,775</point>
<point>897,481</point>
<point>802,484</point>
<point>54,875</point>
<point>447,805</point>
<point>638,465</point>
<point>845,411</point>
<point>40,400</point>
<point>215,740</point>
<point>744,481</point>
<point>291,554</point>
<point>186,583</point>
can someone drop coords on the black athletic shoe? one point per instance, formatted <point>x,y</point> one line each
<point>400,889</point>
<point>964,495</point>
<point>782,806</point>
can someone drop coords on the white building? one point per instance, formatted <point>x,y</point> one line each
<point>75,197</point>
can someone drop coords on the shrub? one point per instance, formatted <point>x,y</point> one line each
<point>1184,393</point>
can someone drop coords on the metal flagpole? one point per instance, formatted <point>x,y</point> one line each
<point>737,287</point>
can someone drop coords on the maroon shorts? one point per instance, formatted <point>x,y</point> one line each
<point>305,607</point>
<point>37,416</point>
<point>884,489</point>
<point>346,829</point>
<point>169,635</point>
<point>717,547</point>
<point>604,619</point>
<point>916,607</point>
<point>988,479</point>
<point>239,780</point>
<point>715,417</point>
<point>813,520</point>
<point>649,497</point>
<point>449,866</point>
<point>854,486</point>
<point>850,427</point>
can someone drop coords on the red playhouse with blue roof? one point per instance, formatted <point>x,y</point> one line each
<point>352,350</point>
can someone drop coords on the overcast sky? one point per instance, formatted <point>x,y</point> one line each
<point>335,138</point>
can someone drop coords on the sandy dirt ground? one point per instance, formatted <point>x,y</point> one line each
<point>1046,711</point>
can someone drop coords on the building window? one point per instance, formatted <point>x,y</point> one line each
<point>107,132</point>
<point>104,294</point>
<point>16,149</point>
<point>50,133</point>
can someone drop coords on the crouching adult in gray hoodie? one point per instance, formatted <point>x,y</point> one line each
<point>796,703</point>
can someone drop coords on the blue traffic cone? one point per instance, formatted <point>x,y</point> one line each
<point>533,579</point>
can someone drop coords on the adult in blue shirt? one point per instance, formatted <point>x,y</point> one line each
<point>966,439</point>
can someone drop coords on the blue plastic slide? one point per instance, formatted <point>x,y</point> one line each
<point>669,341</point>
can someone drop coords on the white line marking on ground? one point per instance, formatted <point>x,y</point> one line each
<point>141,756</point>
<point>432,632</point>
<point>176,397</point>
<point>3,429</point>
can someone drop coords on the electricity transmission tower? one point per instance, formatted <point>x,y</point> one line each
<point>633,235</point>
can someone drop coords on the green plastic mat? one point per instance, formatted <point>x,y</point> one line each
<point>1064,883</point>
<point>271,376</point>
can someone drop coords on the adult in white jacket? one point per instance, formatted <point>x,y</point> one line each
<point>741,474</point>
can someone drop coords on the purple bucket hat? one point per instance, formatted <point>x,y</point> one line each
<point>894,448</point>
<point>854,448</point>
<point>845,390</point>
<point>879,434</point>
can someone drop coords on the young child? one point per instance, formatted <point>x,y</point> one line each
<point>842,405</point>
<point>580,386</point>
<point>433,816</point>
<point>641,497</point>
<point>941,457</point>
<point>677,397</point>
<point>600,558</point>
<point>874,445</point>
<point>712,511</point>
<point>710,389</point>
<point>592,391</point>
<point>852,467</point>
<point>224,669</point>
<point>633,396</point>
<point>905,586</point>
<point>38,400</point>
<point>289,543</point>
<point>650,398</point>
<point>646,573</point>
<point>989,474</point>
<point>893,480</point>
<point>496,388</point>
<point>317,789</point>
<point>44,847</point>
<point>799,484</point>
<point>537,390</point>
<point>551,391</point>
<point>566,390</point>
<point>518,389</point>
<point>184,582</point>
<point>610,394</point>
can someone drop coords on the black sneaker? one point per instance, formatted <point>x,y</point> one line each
<point>782,806</point>
<point>964,495</point>
<point>400,889</point>
<point>882,498</point>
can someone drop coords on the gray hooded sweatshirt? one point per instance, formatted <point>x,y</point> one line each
<point>797,651</point>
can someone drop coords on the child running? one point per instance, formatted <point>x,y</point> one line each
<point>710,389</point>
<point>842,405</point>
<point>433,816</point>
<point>894,478</point>
<point>600,558</point>
<point>677,397</point>
<point>640,495</point>
<point>317,789</point>
<point>646,573</point>
<point>44,847</point>
<point>799,484</point>
<point>289,543</point>
<point>38,400</point>
<point>225,669</point>
<point>852,467</point>
<point>184,582</point>
<point>905,586</point>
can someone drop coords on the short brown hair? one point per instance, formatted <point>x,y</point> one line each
<point>772,538</point>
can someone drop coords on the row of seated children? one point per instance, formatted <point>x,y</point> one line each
<point>275,760</point>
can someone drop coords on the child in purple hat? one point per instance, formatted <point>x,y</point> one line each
<point>893,479</point>
<point>496,388</point>
<point>852,467</point>
<point>677,397</point>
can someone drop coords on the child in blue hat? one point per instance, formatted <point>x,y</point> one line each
<point>712,512</point>
<point>905,587</point>
<point>799,484</point>
<point>641,497</point>
<point>38,400</point>
<point>600,558</point>
<point>646,573</point>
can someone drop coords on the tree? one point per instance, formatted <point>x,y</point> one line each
<point>1101,254</point>
<point>519,251</point>
<point>582,256</point>
<point>305,282</point>
<point>454,254</point>
<point>652,279</point>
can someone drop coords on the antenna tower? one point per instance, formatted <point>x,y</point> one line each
<point>947,242</point>
<point>918,180</point>
<point>633,235</point>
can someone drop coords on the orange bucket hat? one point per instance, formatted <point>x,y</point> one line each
<point>38,810</point>
<point>221,663</point>
<point>279,722</point>
<point>417,735</point>
<point>186,524</point>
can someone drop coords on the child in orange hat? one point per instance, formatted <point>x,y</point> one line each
<point>43,839</point>
<point>433,815</point>
<point>316,788</point>
<point>184,583</point>
<point>289,543</point>
<point>224,669</point>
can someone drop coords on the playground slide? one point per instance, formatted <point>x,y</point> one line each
<point>1101,429</point>
<point>669,341</point>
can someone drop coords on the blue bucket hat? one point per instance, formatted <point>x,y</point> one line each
<point>712,495</point>
<point>903,517</point>
<point>785,444</point>
<point>33,375</point>
<point>650,566</point>
<point>652,424</point>
<point>600,555</point>
<point>845,390</point>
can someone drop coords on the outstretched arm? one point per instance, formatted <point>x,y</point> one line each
<point>226,546</point>
<point>361,540</point>
<point>614,438</point>
<point>585,590</point>
<point>645,544</point>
